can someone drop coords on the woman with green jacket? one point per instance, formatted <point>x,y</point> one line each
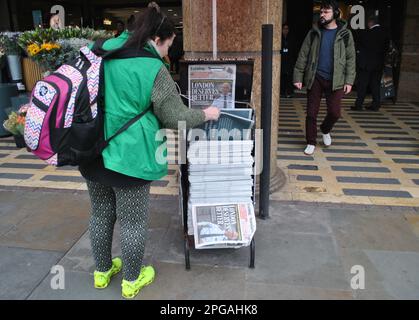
<point>119,182</point>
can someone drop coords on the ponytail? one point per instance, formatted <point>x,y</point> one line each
<point>152,23</point>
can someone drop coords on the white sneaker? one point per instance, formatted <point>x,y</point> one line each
<point>309,149</point>
<point>327,140</point>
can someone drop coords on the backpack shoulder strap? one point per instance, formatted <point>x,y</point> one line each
<point>128,124</point>
<point>120,53</point>
<point>125,53</point>
<point>98,44</point>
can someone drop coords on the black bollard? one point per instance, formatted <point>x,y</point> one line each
<point>266,118</point>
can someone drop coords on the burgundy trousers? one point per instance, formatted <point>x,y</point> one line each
<point>333,103</point>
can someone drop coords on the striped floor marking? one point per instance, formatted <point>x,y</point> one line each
<point>369,163</point>
<point>22,169</point>
<point>377,162</point>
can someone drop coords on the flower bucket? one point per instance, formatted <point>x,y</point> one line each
<point>15,67</point>
<point>20,141</point>
<point>32,73</point>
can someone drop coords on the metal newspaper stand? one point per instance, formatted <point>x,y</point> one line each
<point>243,89</point>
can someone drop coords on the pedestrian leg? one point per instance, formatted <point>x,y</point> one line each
<point>101,225</point>
<point>333,103</point>
<point>132,207</point>
<point>361,88</point>
<point>314,97</point>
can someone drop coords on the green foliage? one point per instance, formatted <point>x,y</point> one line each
<point>67,42</point>
<point>9,43</point>
<point>40,36</point>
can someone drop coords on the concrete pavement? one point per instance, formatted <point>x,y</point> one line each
<point>304,251</point>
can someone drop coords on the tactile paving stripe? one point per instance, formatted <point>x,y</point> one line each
<point>22,169</point>
<point>374,159</point>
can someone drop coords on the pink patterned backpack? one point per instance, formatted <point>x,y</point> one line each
<point>64,122</point>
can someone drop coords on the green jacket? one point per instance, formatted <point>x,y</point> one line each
<point>344,58</point>
<point>131,85</point>
<point>128,86</point>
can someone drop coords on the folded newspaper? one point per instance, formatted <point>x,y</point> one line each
<point>223,225</point>
<point>234,124</point>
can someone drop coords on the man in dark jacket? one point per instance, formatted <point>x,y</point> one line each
<point>176,52</point>
<point>373,45</point>
<point>326,64</point>
<point>287,62</point>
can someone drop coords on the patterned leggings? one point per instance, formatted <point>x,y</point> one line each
<point>131,206</point>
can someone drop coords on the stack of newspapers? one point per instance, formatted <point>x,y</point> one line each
<point>220,207</point>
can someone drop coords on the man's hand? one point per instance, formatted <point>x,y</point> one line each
<point>298,85</point>
<point>347,88</point>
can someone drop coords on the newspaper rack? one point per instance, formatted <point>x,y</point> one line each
<point>243,87</point>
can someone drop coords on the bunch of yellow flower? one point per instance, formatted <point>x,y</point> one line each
<point>33,49</point>
<point>50,46</point>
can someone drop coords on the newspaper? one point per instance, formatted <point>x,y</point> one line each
<point>237,152</point>
<point>235,124</point>
<point>212,85</point>
<point>240,112</point>
<point>223,225</point>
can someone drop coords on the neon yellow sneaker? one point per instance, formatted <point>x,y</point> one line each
<point>102,279</point>
<point>131,289</point>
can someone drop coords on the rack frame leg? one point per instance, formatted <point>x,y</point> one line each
<point>187,253</point>
<point>252,254</point>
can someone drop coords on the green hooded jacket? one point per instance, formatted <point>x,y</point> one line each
<point>344,70</point>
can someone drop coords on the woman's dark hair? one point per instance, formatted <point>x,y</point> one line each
<point>131,22</point>
<point>152,23</point>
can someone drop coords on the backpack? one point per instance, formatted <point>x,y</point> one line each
<point>65,120</point>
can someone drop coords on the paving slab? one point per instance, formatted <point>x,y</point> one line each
<point>13,209</point>
<point>375,230</point>
<point>399,271</point>
<point>171,250</point>
<point>172,282</point>
<point>80,258</point>
<point>297,259</point>
<point>201,282</point>
<point>373,279</point>
<point>55,222</point>
<point>77,286</point>
<point>263,291</point>
<point>21,270</point>
<point>372,295</point>
<point>301,219</point>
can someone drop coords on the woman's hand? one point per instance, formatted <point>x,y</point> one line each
<point>211,113</point>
